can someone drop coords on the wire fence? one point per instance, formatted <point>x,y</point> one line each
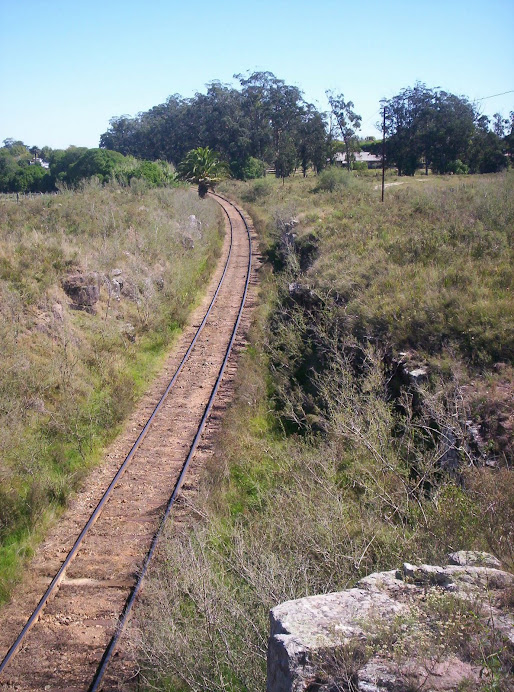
<point>21,196</point>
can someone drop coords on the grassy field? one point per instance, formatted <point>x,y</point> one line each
<point>372,422</point>
<point>69,376</point>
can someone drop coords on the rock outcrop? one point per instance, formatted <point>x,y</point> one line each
<point>83,289</point>
<point>395,631</point>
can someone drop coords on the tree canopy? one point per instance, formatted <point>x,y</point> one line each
<point>31,169</point>
<point>266,119</point>
<point>348,121</point>
<point>266,123</point>
<point>442,131</point>
<point>202,167</point>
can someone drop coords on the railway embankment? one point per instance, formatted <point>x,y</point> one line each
<point>79,620</point>
<point>371,424</point>
<point>70,637</point>
<point>95,286</point>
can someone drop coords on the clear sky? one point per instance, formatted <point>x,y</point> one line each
<point>67,67</point>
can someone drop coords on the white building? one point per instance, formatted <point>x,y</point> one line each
<point>372,160</point>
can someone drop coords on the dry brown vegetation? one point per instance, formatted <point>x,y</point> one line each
<point>335,462</point>
<point>71,370</point>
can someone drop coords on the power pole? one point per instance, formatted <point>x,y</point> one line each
<point>383,152</point>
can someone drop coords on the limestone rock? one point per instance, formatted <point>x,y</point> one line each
<point>310,637</point>
<point>57,312</point>
<point>285,222</point>
<point>116,287</point>
<point>434,676</point>
<point>195,226</point>
<point>473,557</point>
<point>302,294</point>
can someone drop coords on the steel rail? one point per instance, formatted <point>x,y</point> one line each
<point>109,651</point>
<point>96,513</point>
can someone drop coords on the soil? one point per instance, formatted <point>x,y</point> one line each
<point>62,650</point>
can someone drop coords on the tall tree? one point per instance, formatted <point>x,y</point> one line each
<point>486,150</point>
<point>349,122</point>
<point>409,125</point>
<point>263,119</point>
<point>509,137</point>
<point>499,125</point>
<point>453,119</point>
<point>286,156</point>
<point>256,105</point>
<point>428,124</point>
<point>313,143</point>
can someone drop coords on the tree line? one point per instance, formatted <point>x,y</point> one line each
<point>267,124</point>
<point>265,121</point>
<point>34,169</point>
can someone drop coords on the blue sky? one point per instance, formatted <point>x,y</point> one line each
<point>67,67</point>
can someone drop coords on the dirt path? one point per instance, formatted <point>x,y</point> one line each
<point>64,648</point>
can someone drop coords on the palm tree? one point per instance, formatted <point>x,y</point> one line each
<point>202,167</point>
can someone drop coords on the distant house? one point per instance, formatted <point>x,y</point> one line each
<point>36,161</point>
<point>372,160</point>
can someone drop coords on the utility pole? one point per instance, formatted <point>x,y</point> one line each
<point>383,150</point>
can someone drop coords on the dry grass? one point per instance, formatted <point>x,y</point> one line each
<point>68,376</point>
<point>325,471</point>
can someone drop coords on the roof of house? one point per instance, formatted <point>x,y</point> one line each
<point>365,156</point>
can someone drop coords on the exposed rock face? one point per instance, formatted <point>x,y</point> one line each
<point>285,223</point>
<point>306,247</point>
<point>332,642</point>
<point>303,295</point>
<point>58,312</point>
<point>473,557</point>
<point>191,232</point>
<point>83,289</point>
<point>440,676</point>
<point>114,283</point>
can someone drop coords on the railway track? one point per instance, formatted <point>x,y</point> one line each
<point>71,632</point>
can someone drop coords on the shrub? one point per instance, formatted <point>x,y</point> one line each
<point>155,173</point>
<point>95,162</point>
<point>332,178</point>
<point>458,167</point>
<point>258,190</point>
<point>250,169</point>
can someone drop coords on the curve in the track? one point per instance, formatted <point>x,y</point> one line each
<point>54,584</point>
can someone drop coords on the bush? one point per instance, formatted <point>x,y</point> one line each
<point>332,178</point>
<point>95,162</point>
<point>32,179</point>
<point>458,167</point>
<point>154,173</point>
<point>258,190</point>
<point>253,168</point>
<point>359,166</point>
